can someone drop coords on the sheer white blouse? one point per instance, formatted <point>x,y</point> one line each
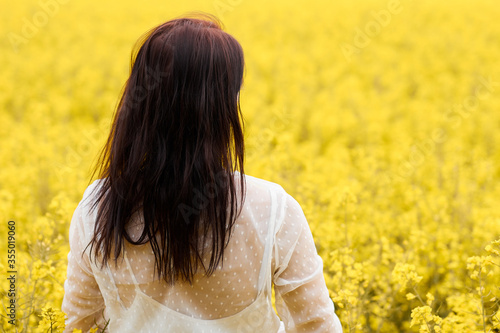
<point>270,219</point>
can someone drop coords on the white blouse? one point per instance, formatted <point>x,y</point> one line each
<point>236,298</point>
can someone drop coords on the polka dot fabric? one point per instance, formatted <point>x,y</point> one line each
<point>271,244</point>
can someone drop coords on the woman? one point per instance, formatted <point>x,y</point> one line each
<point>172,237</point>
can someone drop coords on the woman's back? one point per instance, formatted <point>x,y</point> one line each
<point>236,298</point>
<point>173,237</point>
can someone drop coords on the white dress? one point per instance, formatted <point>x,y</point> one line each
<point>271,244</point>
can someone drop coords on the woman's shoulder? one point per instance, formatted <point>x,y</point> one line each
<point>261,185</point>
<point>255,186</point>
<point>89,196</point>
<point>92,189</point>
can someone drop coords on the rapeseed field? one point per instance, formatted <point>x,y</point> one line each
<point>381,117</point>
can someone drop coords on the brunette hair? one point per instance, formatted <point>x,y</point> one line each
<point>174,146</point>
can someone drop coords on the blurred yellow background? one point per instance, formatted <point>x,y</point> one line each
<point>380,117</point>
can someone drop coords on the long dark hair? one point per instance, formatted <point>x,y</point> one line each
<point>174,147</point>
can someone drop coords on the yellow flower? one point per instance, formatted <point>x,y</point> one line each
<point>52,320</point>
<point>422,317</point>
<point>410,296</point>
<point>430,299</point>
<point>493,247</point>
<point>479,266</point>
<point>405,275</point>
